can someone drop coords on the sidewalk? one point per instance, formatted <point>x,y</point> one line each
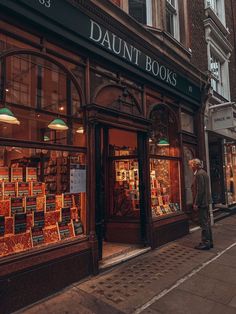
<point>173,279</point>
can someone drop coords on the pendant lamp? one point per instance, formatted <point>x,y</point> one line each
<point>58,124</point>
<point>7,116</point>
<point>80,130</point>
<point>163,142</point>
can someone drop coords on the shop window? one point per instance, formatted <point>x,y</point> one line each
<point>141,10</point>
<point>124,175</point>
<point>42,198</point>
<point>164,163</point>
<point>230,173</point>
<point>172,18</point>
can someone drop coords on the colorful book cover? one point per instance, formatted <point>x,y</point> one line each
<point>5,247</point>
<point>17,205</point>
<point>37,236</point>
<point>5,206</point>
<point>39,219</point>
<point>38,188</point>
<point>40,203</point>
<point>20,223</point>
<point>50,202</point>
<point>67,200</point>
<point>65,215</point>
<point>64,231</point>
<point>9,189</point>
<point>4,174</point>
<point>78,227</point>
<point>30,204</point>
<point>51,234</point>
<point>51,218</point>
<point>19,242</point>
<point>2,225</point>
<point>31,174</point>
<point>16,174</point>
<point>59,200</point>
<point>9,225</point>
<point>30,221</point>
<point>23,188</point>
<point>1,190</point>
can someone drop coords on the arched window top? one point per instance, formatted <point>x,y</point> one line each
<point>40,82</point>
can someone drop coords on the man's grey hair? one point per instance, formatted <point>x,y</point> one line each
<point>197,162</point>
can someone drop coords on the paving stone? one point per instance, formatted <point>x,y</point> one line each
<point>209,288</point>
<point>182,302</point>
<point>233,301</point>
<point>227,259</point>
<point>220,272</point>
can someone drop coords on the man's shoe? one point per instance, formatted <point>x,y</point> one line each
<point>202,246</point>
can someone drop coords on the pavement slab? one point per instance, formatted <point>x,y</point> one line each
<point>197,281</point>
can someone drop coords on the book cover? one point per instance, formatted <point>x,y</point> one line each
<point>50,202</point>
<point>65,215</point>
<point>23,188</point>
<point>5,206</point>
<point>1,190</point>
<point>16,174</point>
<point>64,231</point>
<point>17,205</point>
<point>39,219</point>
<point>29,221</point>
<point>4,174</point>
<point>38,188</point>
<point>5,247</point>
<point>9,225</point>
<point>9,189</point>
<point>51,234</point>
<point>37,236</point>
<point>78,227</point>
<point>30,204</point>
<point>59,201</point>
<point>67,200</point>
<point>20,223</point>
<point>2,225</point>
<point>40,203</point>
<point>30,174</point>
<point>51,218</point>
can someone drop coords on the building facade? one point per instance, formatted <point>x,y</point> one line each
<point>105,112</point>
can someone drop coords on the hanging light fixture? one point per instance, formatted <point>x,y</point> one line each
<point>7,116</point>
<point>80,130</point>
<point>58,124</point>
<point>163,142</point>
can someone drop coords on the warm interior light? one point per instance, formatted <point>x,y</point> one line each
<point>80,130</point>
<point>163,142</point>
<point>7,116</point>
<point>58,124</point>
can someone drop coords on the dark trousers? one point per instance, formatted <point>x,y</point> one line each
<point>205,225</point>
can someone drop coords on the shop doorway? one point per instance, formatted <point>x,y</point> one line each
<point>120,210</point>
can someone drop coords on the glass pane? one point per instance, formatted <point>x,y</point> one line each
<point>43,198</point>
<point>170,22</point>
<point>137,9</point>
<point>165,187</point>
<point>122,143</point>
<point>187,122</point>
<point>34,127</point>
<point>230,173</point>
<point>125,188</point>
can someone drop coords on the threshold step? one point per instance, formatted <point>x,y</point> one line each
<point>122,258</point>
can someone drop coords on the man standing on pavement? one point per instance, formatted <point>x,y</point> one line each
<point>201,201</point>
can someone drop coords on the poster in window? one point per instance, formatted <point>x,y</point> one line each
<point>77,180</point>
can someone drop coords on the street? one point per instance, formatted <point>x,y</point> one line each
<point>172,279</point>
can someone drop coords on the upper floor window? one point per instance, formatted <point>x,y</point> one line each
<point>218,8</point>
<point>172,18</point>
<point>215,67</point>
<point>141,10</point>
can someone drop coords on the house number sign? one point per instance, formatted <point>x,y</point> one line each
<point>46,3</point>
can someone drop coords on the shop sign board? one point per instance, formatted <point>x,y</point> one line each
<point>223,119</point>
<point>69,18</point>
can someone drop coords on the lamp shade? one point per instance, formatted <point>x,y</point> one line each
<point>80,130</point>
<point>58,124</point>
<point>163,142</point>
<point>7,116</point>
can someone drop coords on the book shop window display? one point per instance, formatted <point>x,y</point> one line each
<point>164,163</point>
<point>42,156</point>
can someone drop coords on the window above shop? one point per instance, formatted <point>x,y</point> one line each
<point>141,10</point>
<point>217,7</point>
<point>172,18</point>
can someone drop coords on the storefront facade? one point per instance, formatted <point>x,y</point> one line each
<point>112,169</point>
